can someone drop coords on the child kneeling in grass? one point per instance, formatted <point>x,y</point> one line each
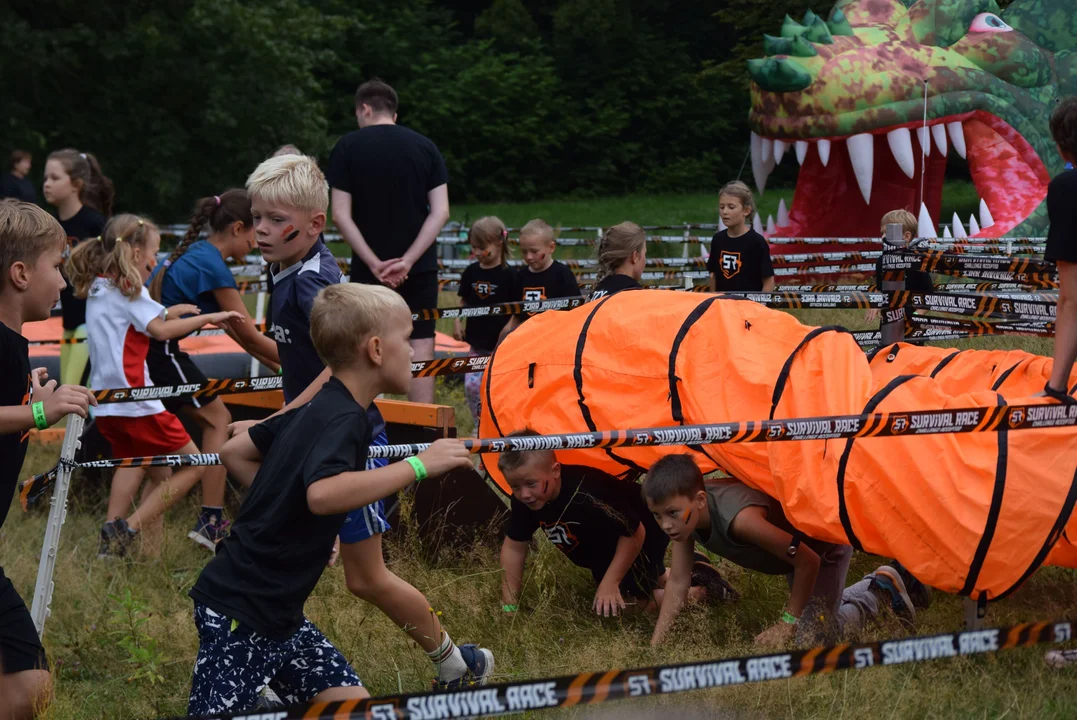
<point>306,472</point>
<point>748,527</point>
<point>600,523</point>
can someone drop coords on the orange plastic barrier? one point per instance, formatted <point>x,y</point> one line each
<point>974,513</point>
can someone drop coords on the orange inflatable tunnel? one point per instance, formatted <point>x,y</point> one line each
<point>974,514</point>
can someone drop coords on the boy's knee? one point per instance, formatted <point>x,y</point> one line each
<point>369,585</point>
<point>26,694</point>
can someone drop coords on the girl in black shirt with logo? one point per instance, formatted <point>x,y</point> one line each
<point>622,255</point>
<point>487,281</point>
<point>740,257</point>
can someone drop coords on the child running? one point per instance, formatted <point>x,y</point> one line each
<point>82,196</point>
<point>195,273</point>
<point>748,527</point>
<point>543,277</point>
<point>306,471</point>
<point>600,523</point>
<point>487,281</point>
<point>740,257</point>
<point>621,255</point>
<point>121,318</point>
<point>289,199</point>
<point>31,253</point>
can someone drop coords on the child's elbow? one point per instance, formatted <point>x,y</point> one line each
<point>318,500</point>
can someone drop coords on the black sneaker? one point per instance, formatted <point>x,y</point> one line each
<point>480,666</point>
<point>888,583</point>
<point>706,576</point>
<point>115,539</point>
<point>919,593</point>
<point>209,530</point>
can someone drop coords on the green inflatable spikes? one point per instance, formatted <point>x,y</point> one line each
<point>839,24</point>
<point>777,46</point>
<point>791,28</point>
<point>779,74</point>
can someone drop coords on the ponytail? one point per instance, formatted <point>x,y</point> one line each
<point>489,230</point>
<point>111,255</point>
<point>220,211</point>
<point>95,189</point>
<point>617,245</point>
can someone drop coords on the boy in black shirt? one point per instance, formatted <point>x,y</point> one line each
<point>1062,249</point>
<point>31,253</point>
<point>543,278</point>
<point>599,522</point>
<point>306,471</point>
<point>740,257</point>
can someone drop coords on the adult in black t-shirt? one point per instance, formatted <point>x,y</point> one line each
<point>740,264</point>
<point>1062,250</point>
<point>613,284</point>
<point>16,184</point>
<point>390,200</point>
<point>586,515</point>
<point>485,286</point>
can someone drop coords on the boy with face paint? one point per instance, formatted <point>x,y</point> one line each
<point>600,523</point>
<point>542,277</point>
<point>748,527</point>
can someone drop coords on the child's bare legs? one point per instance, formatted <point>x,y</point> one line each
<point>25,694</point>
<point>125,483</point>
<point>167,493</point>
<point>213,418</point>
<point>341,693</point>
<point>369,579</point>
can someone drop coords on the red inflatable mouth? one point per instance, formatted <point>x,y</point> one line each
<point>868,175</point>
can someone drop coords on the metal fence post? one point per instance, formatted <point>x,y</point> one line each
<point>57,514</point>
<point>892,320</point>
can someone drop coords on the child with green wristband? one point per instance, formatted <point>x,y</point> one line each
<point>305,469</point>
<point>749,528</point>
<point>31,253</point>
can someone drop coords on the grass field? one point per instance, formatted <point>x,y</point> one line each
<point>122,641</point>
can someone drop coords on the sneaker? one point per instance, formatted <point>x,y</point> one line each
<point>209,530</point>
<point>888,582</point>
<point>918,592</point>
<point>705,575</point>
<point>1060,658</point>
<point>480,666</point>
<point>115,539</point>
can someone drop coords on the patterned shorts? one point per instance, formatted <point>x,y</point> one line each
<point>369,520</point>
<point>233,666</point>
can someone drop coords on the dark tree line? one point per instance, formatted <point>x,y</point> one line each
<point>526,98</point>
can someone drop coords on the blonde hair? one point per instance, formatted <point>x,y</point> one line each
<point>908,221</point>
<point>538,226</point>
<point>487,231</point>
<point>26,231</point>
<point>112,256</point>
<point>617,245</point>
<point>741,192</point>
<point>344,315</point>
<point>290,180</point>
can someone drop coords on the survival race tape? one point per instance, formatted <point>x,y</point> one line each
<point>593,688</point>
<point>977,306</point>
<point>919,327</point>
<point>1026,271</point>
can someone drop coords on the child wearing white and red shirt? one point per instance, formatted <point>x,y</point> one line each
<point>121,317</point>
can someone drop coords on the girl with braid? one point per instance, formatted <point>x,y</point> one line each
<point>195,273</point>
<point>621,255</point>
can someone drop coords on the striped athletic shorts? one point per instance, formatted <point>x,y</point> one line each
<point>368,521</point>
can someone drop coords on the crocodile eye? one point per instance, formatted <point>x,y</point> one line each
<point>988,22</point>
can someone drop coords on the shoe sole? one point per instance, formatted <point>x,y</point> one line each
<point>898,584</point>
<point>718,588</point>
<point>202,540</point>
<point>489,670</point>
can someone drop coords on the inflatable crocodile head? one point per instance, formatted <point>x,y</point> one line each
<point>864,96</point>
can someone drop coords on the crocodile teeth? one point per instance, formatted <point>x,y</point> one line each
<point>957,137</point>
<point>939,133</point>
<point>946,233</point>
<point>783,214</point>
<point>760,169</point>
<point>974,227</point>
<point>824,151</point>
<point>770,224</point>
<point>767,146</point>
<point>757,224</point>
<point>926,228</point>
<point>779,151</point>
<point>901,147</point>
<point>959,229</point>
<point>801,150</point>
<point>923,134</point>
<point>862,155</point>
<point>986,220</point>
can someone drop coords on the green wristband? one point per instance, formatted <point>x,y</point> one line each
<point>418,467</point>
<point>40,421</point>
<point>508,608</point>
<point>789,618</point>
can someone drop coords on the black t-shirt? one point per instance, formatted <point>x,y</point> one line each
<point>739,264</point>
<point>556,281</point>
<point>485,286</point>
<point>613,284</point>
<point>15,389</point>
<point>86,223</point>
<point>272,559</point>
<point>20,188</point>
<point>1062,214</point>
<point>915,280</point>
<point>388,170</point>
<point>585,520</point>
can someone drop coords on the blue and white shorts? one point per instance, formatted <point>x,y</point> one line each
<point>233,666</point>
<point>366,522</point>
